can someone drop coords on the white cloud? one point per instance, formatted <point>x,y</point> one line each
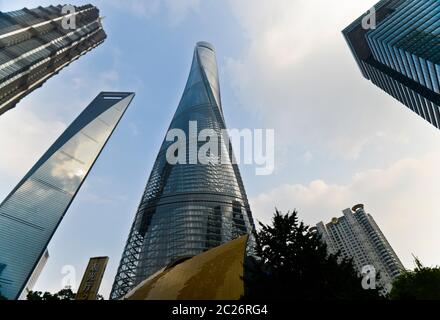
<point>402,198</point>
<point>23,136</point>
<point>108,80</point>
<point>298,74</point>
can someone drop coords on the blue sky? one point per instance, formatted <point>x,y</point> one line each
<point>284,65</point>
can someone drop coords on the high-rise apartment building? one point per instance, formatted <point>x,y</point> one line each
<point>397,47</point>
<point>36,44</point>
<point>187,208</point>
<point>31,213</point>
<point>356,235</point>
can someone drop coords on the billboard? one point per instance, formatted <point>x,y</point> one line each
<point>91,281</point>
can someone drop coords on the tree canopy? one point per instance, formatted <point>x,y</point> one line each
<point>291,262</point>
<point>64,294</point>
<point>422,283</point>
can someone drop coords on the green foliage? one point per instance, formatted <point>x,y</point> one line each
<point>64,294</point>
<point>421,284</point>
<point>293,263</point>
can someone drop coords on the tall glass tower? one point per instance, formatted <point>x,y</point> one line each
<point>401,55</point>
<point>36,44</point>
<point>32,212</point>
<point>187,209</point>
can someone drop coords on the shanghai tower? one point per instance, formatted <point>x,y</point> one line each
<point>35,44</point>
<point>187,209</point>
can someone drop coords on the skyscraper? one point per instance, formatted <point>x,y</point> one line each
<point>35,275</point>
<point>36,44</point>
<point>187,209</point>
<point>401,55</point>
<point>356,235</point>
<point>31,213</point>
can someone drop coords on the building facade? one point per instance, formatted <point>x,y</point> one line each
<point>36,44</point>
<point>187,208</point>
<point>31,213</point>
<point>399,51</point>
<point>35,275</point>
<point>356,235</point>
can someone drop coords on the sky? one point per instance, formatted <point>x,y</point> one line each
<point>283,65</point>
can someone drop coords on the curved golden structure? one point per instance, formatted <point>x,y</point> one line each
<point>216,274</point>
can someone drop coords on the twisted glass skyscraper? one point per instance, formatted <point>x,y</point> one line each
<point>32,212</point>
<point>401,55</point>
<point>36,44</point>
<point>187,208</point>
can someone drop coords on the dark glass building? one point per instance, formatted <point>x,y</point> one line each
<point>32,212</point>
<point>402,54</point>
<point>187,209</point>
<point>36,44</point>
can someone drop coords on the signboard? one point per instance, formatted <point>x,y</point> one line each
<point>91,281</point>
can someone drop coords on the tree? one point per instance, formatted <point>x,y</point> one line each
<point>34,295</point>
<point>64,294</point>
<point>292,263</point>
<point>421,284</point>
